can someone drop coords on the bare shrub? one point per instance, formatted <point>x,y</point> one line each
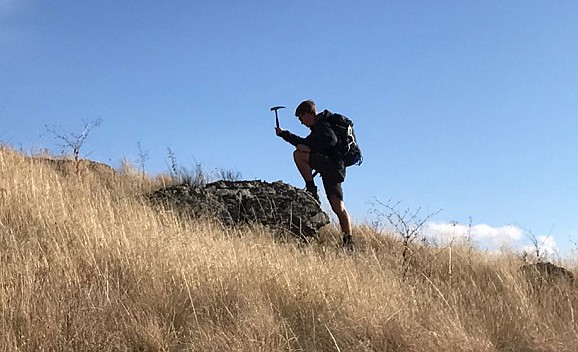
<point>73,140</point>
<point>406,223</point>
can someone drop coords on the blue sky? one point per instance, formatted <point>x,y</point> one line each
<point>465,106</point>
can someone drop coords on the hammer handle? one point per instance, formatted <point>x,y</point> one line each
<point>277,119</point>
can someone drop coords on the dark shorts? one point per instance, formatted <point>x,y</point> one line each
<point>331,172</point>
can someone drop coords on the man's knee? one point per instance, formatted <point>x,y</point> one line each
<point>337,205</point>
<point>301,156</point>
<point>296,154</point>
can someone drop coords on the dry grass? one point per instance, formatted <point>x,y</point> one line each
<point>87,265</point>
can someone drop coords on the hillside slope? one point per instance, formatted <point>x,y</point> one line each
<point>88,265</point>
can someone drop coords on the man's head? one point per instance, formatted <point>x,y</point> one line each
<point>306,112</point>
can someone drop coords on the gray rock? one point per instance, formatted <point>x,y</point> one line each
<point>279,206</point>
<point>546,273</point>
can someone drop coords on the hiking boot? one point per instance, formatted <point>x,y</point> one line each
<point>312,190</point>
<point>347,242</point>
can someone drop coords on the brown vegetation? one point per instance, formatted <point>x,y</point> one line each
<point>87,265</point>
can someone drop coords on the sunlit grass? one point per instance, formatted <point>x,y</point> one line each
<point>88,265</point>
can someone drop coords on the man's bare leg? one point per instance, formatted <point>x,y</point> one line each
<point>302,161</point>
<point>301,158</point>
<point>338,208</point>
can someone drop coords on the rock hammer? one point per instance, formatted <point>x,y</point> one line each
<point>275,108</point>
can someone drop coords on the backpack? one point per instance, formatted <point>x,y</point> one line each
<point>347,149</point>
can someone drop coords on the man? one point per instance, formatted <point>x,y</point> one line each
<point>317,152</point>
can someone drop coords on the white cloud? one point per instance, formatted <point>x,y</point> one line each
<point>490,237</point>
<point>546,244</point>
<point>483,233</point>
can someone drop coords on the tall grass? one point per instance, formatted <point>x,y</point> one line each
<point>86,264</point>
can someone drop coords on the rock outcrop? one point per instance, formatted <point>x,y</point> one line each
<point>546,273</point>
<point>279,206</point>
